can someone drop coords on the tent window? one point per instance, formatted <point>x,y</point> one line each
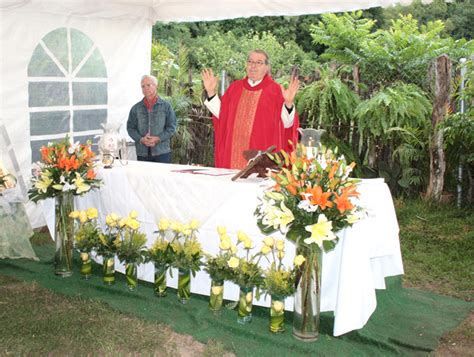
<point>67,89</point>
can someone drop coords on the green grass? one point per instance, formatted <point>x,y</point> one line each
<point>437,245</point>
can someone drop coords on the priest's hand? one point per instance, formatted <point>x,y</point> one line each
<point>290,93</point>
<point>209,81</point>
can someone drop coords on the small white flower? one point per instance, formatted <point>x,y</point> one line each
<point>73,146</point>
<point>307,206</point>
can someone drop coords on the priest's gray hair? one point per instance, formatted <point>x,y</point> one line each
<point>262,52</point>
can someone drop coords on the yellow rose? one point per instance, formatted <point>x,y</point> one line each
<point>242,237</point>
<point>248,243</point>
<point>266,249</point>
<point>163,224</point>
<point>194,224</point>
<point>280,244</point>
<point>224,245</point>
<point>133,214</point>
<point>221,230</point>
<point>133,224</point>
<point>84,256</point>
<point>216,290</point>
<point>269,241</point>
<point>281,254</point>
<point>110,262</point>
<point>122,222</point>
<point>110,221</point>
<point>92,213</point>
<point>83,216</point>
<point>176,226</point>
<point>186,229</point>
<point>233,248</point>
<point>74,214</point>
<point>233,262</point>
<point>299,259</point>
<point>249,297</point>
<point>278,306</point>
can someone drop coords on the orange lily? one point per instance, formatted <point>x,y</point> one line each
<point>318,197</point>
<point>343,203</point>
<point>90,174</point>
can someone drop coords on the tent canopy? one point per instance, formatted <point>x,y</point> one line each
<point>191,10</point>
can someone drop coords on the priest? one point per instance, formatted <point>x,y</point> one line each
<point>253,114</point>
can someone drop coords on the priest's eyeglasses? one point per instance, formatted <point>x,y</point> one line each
<point>251,63</point>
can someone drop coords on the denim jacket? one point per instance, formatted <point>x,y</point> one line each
<point>161,121</point>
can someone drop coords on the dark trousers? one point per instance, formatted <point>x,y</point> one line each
<point>163,158</point>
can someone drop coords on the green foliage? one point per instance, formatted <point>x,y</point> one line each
<point>401,105</point>
<point>86,238</point>
<point>457,15</point>
<point>327,101</point>
<point>279,282</point>
<point>132,247</point>
<point>216,266</point>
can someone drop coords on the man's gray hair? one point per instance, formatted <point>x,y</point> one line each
<point>153,79</point>
<point>262,52</point>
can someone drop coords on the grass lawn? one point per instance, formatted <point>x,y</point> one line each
<point>437,248</point>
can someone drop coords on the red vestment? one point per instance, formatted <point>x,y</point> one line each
<point>250,119</point>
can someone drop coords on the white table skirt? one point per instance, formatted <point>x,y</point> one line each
<point>366,253</point>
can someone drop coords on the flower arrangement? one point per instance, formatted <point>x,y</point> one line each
<point>86,237</point>
<point>216,265</point>
<point>186,255</point>
<point>65,167</point>
<point>277,279</point>
<point>110,240</point>
<point>7,180</point>
<point>161,255</point>
<point>186,249</point>
<point>311,200</point>
<point>279,282</point>
<point>245,270</point>
<point>160,252</point>
<point>131,247</point>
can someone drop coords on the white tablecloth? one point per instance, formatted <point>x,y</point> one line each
<point>366,253</point>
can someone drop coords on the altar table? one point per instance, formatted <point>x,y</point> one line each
<point>366,253</point>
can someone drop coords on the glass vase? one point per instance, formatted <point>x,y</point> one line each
<point>63,234</point>
<point>306,313</point>
<point>277,314</point>
<point>216,296</point>
<point>131,276</point>
<point>184,285</point>
<point>108,267</point>
<point>245,305</point>
<point>86,265</point>
<point>160,280</point>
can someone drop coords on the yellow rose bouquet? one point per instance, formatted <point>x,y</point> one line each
<point>109,241</point>
<point>161,255</point>
<point>132,248</point>
<point>246,272</point>
<point>187,254</point>
<point>86,237</point>
<point>217,268</point>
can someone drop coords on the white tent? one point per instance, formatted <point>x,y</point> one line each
<point>66,66</point>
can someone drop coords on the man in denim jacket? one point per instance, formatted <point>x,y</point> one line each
<point>152,123</point>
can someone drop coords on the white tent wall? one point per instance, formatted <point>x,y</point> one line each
<point>124,44</point>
